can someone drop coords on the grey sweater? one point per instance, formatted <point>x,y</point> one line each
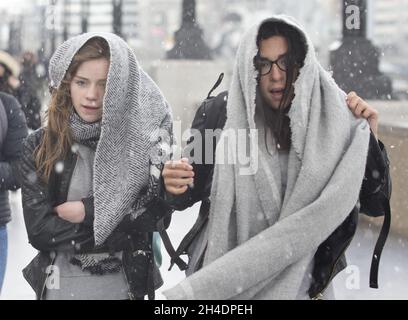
<point>10,150</point>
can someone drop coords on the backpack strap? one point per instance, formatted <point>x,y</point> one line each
<point>212,117</point>
<point>196,228</point>
<point>375,262</point>
<point>150,271</point>
<point>217,83</point>
<point>174,258</point>
<point>381,201</point>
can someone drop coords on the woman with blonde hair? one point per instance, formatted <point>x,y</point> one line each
<point>90,176</point>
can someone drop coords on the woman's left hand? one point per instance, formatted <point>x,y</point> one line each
<point>72,211</point>
<point>361,109</point>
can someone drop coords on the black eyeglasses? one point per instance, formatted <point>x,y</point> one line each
<point>264,65</point>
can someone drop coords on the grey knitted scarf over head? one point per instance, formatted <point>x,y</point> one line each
<point>136,125</point>
<point>261,239</point>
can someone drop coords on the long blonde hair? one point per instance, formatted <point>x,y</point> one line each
<point>57,139</point>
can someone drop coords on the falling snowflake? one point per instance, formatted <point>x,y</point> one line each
<point>59,167</point>
<point>74,148</point>
<point>375,174</point>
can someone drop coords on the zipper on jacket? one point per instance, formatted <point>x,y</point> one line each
<point>141,252</point>
<point>46,278</point>
<point>319,296</point>
<point>130,294</point>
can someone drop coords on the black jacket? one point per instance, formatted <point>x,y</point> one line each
<point>49,234</point>
<point>329,258</point>
<point>10,153</point>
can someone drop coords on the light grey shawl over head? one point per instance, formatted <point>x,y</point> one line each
<point>136,124</point>
<point>261,239</point>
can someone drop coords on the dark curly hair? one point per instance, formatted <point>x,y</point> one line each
<point>277,120</point>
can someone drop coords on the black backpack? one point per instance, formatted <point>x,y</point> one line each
<point>212,115</point>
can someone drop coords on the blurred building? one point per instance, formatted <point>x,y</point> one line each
<point>389,23</point>
<point>390,33</point>
<point>149,25</point>
<point>321,19</point>
<point>98,15</point>
<point>160,19</point>
<point>52,21</point>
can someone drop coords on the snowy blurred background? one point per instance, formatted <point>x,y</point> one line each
<point>149,26</point>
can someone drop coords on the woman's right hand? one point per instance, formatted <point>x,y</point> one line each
<point>177,175</point>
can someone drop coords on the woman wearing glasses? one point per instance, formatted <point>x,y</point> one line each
<point>281,231</point>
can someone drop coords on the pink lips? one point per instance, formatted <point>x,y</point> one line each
<point>90,108</point>
<point>277,93</point>
<point>276,90</point>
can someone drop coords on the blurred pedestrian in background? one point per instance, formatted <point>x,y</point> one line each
<point>30,85</point>
<point>22,85</point>
<point>13,130</point>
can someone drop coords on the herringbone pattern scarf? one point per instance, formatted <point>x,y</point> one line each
<point>136,124</point>
<point>83,132</point>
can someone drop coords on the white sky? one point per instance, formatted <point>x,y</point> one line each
<point>15,6</point>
